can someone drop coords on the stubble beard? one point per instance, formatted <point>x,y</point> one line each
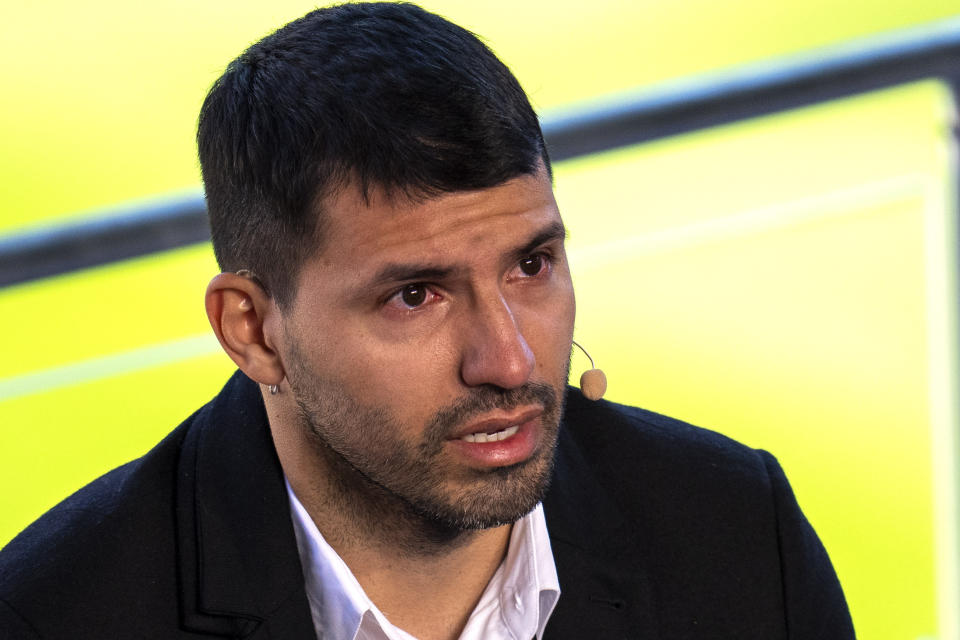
<point>410,493</point>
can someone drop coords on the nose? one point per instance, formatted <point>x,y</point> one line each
<point>495,351</point>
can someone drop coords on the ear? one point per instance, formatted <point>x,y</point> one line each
<point>238,308</point>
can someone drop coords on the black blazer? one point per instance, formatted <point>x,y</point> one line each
<point>660,530</point>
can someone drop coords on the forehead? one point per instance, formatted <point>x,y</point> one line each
<point>448,225</point>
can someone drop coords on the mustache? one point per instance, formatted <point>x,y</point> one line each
<point>487,398</point>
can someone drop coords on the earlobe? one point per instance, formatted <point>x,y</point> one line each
<point>238,308</point>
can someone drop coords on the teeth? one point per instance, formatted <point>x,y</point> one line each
<point>491,437</point>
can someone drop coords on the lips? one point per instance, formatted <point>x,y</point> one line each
<point>499,441</point>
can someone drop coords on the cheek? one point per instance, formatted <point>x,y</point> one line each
<point>406,380</point>
<point>548,330</point>
<point>570,307</point>
<point>337,358</point>
<point>563,332</point>
<point>565,310</point>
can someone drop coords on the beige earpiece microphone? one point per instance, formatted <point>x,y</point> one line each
<point>593,382</point>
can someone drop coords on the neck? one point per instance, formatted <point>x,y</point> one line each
<point>401,558</point>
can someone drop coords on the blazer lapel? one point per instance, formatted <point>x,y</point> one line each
<point>604,590</point>
<point>239,567</point>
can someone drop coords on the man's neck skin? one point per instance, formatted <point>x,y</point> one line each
<point>426,582</point>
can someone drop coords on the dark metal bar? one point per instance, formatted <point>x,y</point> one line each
<point>129,233</point>
<point>929,52</point>
<point>755,90</point>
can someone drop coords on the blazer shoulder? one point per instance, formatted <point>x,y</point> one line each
<point>100,547</point>
<point>713,522</point>
<point>622,436</point>
<point>119,557</point>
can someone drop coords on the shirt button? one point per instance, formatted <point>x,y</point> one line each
<point>517,602</point>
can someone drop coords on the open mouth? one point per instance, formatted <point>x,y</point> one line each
<point>499,438</point>
<point>496,436</point>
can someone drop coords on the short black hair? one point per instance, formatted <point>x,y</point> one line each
<point>377,95</point>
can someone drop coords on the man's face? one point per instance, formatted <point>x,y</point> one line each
<point>428,348</point>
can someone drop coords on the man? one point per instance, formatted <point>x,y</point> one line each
<point>398,455</point>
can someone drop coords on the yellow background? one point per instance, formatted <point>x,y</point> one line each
<point>785,280</point>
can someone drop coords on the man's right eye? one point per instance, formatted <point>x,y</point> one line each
<point>411,297</point>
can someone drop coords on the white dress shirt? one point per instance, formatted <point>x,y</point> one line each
<point>515,605</point>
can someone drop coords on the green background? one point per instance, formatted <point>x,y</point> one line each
<point>787,281</point>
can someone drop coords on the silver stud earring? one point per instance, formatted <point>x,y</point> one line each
<point>274,389</point>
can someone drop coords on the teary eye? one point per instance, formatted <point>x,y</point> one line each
<point>531,265</point>
<point>414,295</point>
<point>410,299</point>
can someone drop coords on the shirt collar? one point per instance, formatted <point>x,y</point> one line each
<point>524,590</point>
<point>516,603</point>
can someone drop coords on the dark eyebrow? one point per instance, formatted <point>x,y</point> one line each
<point>399,272</point>
<point>552,232</point>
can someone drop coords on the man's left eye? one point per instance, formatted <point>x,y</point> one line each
<point>532,265</point>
